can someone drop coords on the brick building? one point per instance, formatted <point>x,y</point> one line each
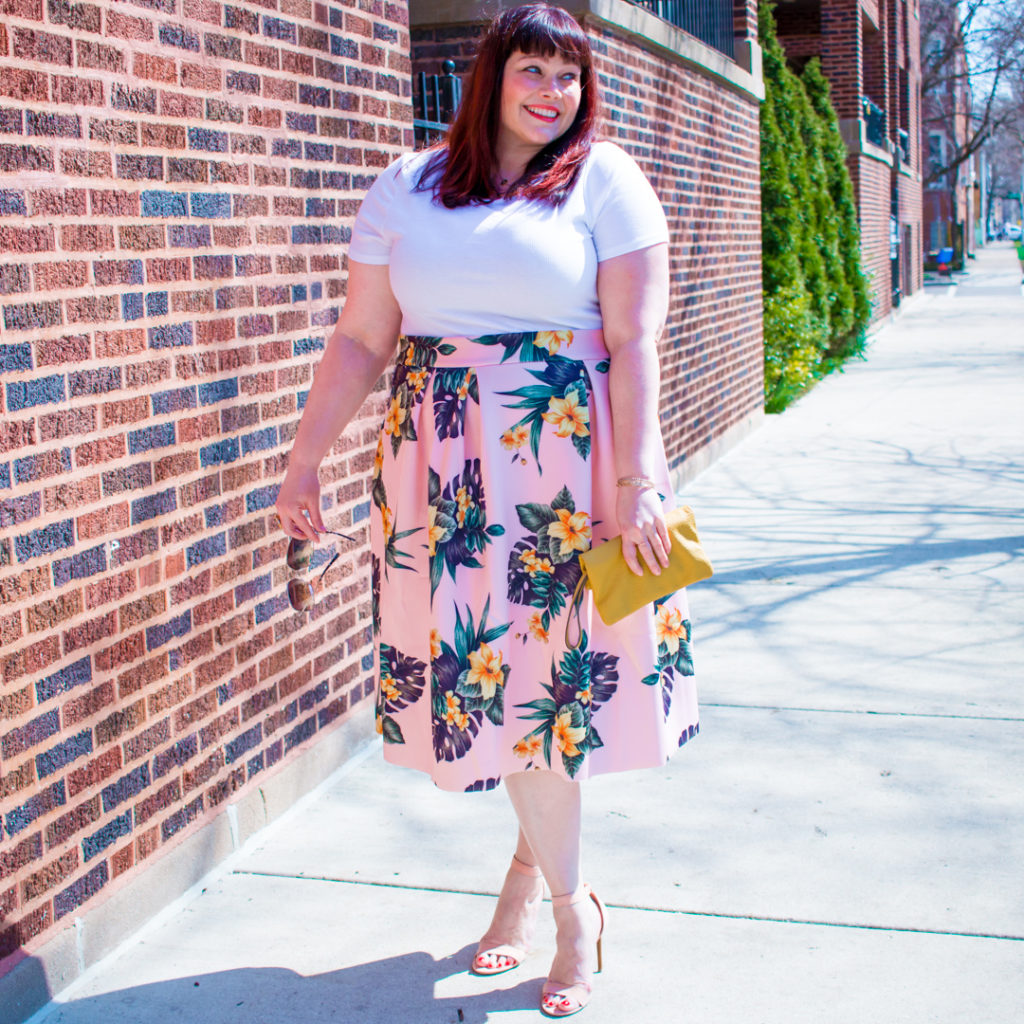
<point>179,183</point>
<point>870,53</point>
<point>951,205</point>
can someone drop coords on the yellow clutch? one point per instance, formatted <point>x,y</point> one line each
<point>619,592</point>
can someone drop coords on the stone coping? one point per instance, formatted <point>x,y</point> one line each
<point>853,131</point>
<point>743,75</point>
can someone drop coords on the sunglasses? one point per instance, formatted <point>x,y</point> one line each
<point>302,593</point>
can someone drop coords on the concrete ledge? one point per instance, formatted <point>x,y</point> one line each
<point>852,130</point>
<point>744,76</point>
<point>32,982</point>
<point>695,464</point>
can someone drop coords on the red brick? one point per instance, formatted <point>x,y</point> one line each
<point>169,696</point>
<point>63,828</point>
<point>17,779</point>
<point>203,772</point>
<point>95,772</point>
<point>147,843</point>
<point>14,703</point>
<point>48,614</point>
<point>112,588</point>
<point>124,651</point>
<point>122,860</point>
<point>15,858</point>
<point>53,874</point>
<point>141,675</point>
<point>194,712</point>
<point>72,495</point>
<point>84,634</point>
<point>133,613</point>
<point>89,704</point>
<point>112,519</point>
<point>30,659</point>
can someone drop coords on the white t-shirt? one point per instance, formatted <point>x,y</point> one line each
<point>510,265</point>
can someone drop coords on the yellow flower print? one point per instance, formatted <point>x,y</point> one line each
<point>417,378</point>
<point>515,437</point>
<point>464,386</point>
<point>387,518</point>
<point>388,687</point>
<point>527,747</point>
<point>572,529</point>
<point>410,354</point>
<point>670,628</point>
<point>552,341</point>
<point>567,416</point>
<point>434,532</point>
<point>465,503</point>
<point>395,417</point>
<point>435,645</point>
<point>534,564</point>
<point>566,735</point>
<point>537,630</point>
<point>380,726</point>
<point>585,696</point>
<point>378,458</point>
<point>485,670</point>
<point>454,715</point>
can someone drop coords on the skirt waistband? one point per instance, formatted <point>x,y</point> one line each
<point>522,347</point>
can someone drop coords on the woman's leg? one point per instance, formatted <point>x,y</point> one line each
<point>549,811</point>
<point>515,916</point>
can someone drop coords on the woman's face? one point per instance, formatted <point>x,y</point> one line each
<point>539,100</point>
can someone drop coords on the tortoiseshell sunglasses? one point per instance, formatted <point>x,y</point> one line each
<point>302,593</point>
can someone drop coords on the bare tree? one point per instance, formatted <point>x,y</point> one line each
<point>972,64</point>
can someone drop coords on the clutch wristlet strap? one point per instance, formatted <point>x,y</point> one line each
<point>574,610</point>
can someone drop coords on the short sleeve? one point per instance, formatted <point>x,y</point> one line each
<point>372,233</point>
<point>624,212</point>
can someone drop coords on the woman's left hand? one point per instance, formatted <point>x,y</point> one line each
<point>644,533</point>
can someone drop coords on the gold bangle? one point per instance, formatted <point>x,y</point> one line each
<point>635,481</point>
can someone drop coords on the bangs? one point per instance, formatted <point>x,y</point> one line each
<point>546,31</point>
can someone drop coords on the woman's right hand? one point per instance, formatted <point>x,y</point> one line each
<point>300,494</point>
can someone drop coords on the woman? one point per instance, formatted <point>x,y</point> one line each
<point>525,266</point>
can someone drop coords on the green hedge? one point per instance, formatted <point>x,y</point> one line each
<point>816,299</point>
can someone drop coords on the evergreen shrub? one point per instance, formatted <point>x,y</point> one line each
<point>816,300</point>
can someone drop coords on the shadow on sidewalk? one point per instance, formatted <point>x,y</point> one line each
<point>396,989</point>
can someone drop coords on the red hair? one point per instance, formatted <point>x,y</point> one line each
<point>460,172</point>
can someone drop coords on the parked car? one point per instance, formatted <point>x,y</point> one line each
<point>1012,231</point>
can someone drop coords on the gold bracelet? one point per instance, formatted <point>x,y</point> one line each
<point>635,481</point>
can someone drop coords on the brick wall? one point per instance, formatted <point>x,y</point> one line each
<point>872,182</point>
<point>697,141</point>
<point>178,186</point>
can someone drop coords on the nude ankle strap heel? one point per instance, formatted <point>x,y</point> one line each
<point>505,957</point>
<point>558,999</point>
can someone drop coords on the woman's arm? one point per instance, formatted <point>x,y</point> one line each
<point>356,355</point>
<point>633,293</point>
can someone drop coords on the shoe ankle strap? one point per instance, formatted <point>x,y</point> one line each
<point>525,869</point>
<point>568,899</point>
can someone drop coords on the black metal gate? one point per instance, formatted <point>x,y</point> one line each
<point>435,99</point>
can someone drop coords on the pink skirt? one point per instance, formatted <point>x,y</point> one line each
<point>494,471</point>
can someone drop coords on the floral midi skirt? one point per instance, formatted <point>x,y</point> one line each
<point>493,472</point>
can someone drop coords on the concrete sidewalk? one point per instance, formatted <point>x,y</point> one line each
<point>843,842</point>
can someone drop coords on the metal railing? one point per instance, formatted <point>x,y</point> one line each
<point>874,121</point>
<point>435,99</point>
<point>710,21</point>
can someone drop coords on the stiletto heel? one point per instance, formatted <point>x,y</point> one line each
<point>557,998</point>
<point>506,957</point>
